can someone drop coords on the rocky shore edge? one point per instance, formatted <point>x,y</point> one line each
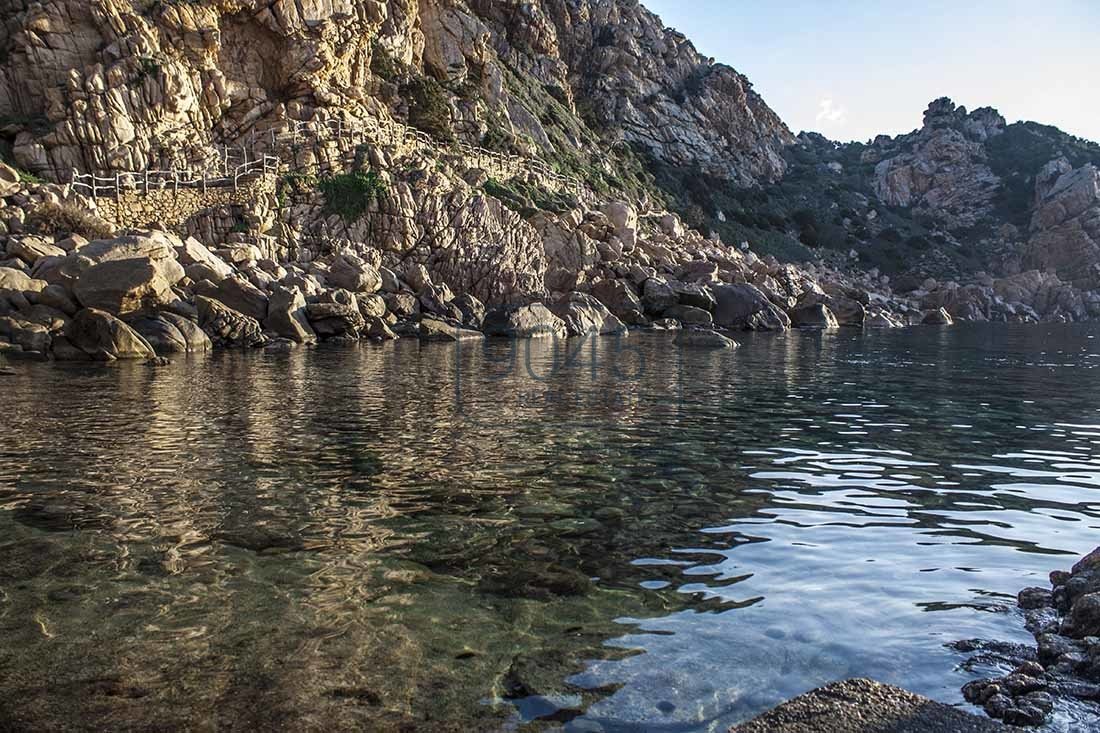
<point>866,706</point>
<point>1064,665</point>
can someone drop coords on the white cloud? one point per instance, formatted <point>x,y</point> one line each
<point>831,114</point>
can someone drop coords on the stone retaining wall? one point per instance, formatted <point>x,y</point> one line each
<point>174,208</point>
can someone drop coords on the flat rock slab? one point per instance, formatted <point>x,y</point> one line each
<point>866,706</point>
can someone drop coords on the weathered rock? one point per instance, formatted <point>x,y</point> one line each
<point>699,338</point>
<point>1034,598</point>
<point>32,337</point>
<point>105,338</point>
<point>226,326</point>
<point>581,313</point>
<point>621,300</point>
<point>17,280</point>
<point>1084,617</point>
<point>938,317</point>
<point>658,296</point>
<point>402,305</point>
<point>32,249</point>
<point>371,306</point>
<point>689,315</point>
<point>528,321</point>
<point>743,306</point>
<point>352,273</point>
<point>472,310</point>
<point>193,252</point>
<point>243,297</point>
<point>331,320</point>
<point>124,286</point>
<point>57,297</point>
<point>814,316</point>
<point>165,337</point>
<point>194,337</point>
<point>286,316</point>
<point>433,329</point>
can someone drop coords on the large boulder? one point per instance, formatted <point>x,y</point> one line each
<point>286,315</point>
<point>743,306</point>
<point>581,313</point>
<point>165,336</point>
<point>353,273</point>
<point>689,315</point>
<point>32,337</point>
<point>227,326</point>
<point>528,321</point>
<point>814,316</point>
<point>32,249</point>
<point>620,299</point>
<point>122,287</point>
<point>192,252</point>
<point>12,279</point>
<point>159,248</point>
<point>195,338</point>
<point>105,338</point>
<point>243,297</point>
<point>472,310</point>
<point>331,320</point>
<point>695,295</point>
<point>938,317</point>
<point>658,295</point>
<point>435,329</point>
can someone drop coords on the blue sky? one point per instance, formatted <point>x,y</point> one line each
<point>855,69</point>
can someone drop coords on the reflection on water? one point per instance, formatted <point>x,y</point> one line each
<point>618,537</point>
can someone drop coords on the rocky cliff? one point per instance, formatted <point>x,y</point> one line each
<point>131,84</point>
<point>276,172</point>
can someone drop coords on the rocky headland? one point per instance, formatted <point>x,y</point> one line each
<point>188,174</point>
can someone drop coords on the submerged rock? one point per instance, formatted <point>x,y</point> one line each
<point>705,339</point>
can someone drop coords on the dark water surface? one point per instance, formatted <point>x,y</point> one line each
<point>415,538</point>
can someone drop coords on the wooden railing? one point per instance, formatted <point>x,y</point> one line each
<point>173,180</point>
<point>230,165</point>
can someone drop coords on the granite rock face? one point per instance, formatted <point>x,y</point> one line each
<point>1066,224</point>
<point>941,169</point>
<point>110,85</point>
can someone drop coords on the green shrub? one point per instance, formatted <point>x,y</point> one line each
<point>429,109</point>
<point>382,64</point>
<point>349,195</point>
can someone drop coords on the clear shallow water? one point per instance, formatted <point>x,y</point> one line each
<point>425,538</point>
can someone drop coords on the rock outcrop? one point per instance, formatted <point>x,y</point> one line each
<point>1065,621</point>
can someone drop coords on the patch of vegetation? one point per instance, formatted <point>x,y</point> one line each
<point>293,184</point>
<point>147,67</point>
<point>382,64</point>
<point>349,195</point>
<point>1017,155</point>
<point>429,108</point>
<point>38,124</point>
<point>67,218</point>
<point>526,199</point>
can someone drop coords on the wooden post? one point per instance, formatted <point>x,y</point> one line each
<point>146,181</point>
<point>94,194</point>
